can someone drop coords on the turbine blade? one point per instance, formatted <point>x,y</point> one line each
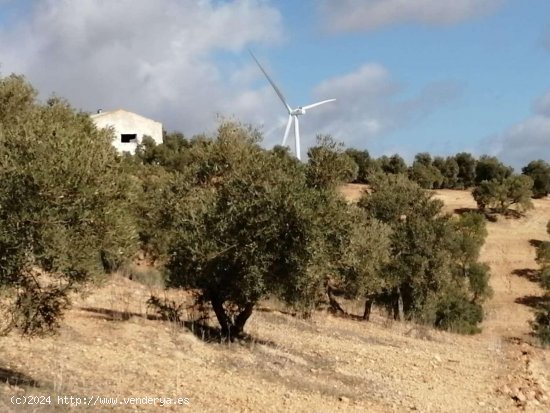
<point>272,83</point>
<point>317,104</point>
<point>297,137</point>
<point>287,130</point>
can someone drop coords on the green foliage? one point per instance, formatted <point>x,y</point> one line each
<point>466,169</point>
<point>395,197</point>
<point>455,313</point>
<point>470,234</point>
<point>257,229</point>
<point>172,154</point>
<point>499,196</point>
<point>427,248</point>
<point>63,204</point>
<point>545,277</point>
<point>395,164</point>
<point>489,168</point>
<point>361,252</point>
<point>541,324</point>
<point>539,171</point>
<point>478,276</point>
<point>367,167</point>
<point>424,173</point>
<point>329,165</point>
<point>448,169</point>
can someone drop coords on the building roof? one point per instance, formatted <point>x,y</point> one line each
<point>112,112</point>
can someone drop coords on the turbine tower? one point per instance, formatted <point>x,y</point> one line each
<point>292,113</point>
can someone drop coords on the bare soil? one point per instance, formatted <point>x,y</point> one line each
<point>110,345</point>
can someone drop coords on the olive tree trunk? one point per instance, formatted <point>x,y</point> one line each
<point>231,327</point>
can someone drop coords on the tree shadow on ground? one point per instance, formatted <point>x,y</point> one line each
<point>533,301</point>
<point>537,243</point>
<point>16,378</point>
<point>115,315</point>
<point>489,215</point>
<point>210,334</point>
<point>513,214</point>
<point>531,274</point>
<point>461,211</point>
<point>204,332</point>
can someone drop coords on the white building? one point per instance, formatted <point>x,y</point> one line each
<point>129,128</point>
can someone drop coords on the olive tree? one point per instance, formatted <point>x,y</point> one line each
<point>420,279</point>
<point>499,196</point>
<point>258,229</point>
<point>539,171</point>
<point>328,164</point>
<point>466,169</point>
<point>489,168</point>
<point>63,201</point>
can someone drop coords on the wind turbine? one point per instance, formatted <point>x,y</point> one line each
<point>292,113</point>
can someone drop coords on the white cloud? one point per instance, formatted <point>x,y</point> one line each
<point>161,59</point>
<point>528,140</point>
<point>370,105</point>
<point>358,15</point>
<point>154,57</point>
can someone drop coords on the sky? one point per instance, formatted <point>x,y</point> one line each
<point>409,76</point>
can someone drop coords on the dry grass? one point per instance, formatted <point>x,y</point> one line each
<point>111,345</point>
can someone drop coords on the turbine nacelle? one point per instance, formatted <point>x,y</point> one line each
<point>298,111</point>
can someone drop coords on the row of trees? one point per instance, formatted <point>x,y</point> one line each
<point>453,172</point>
<point>239,223</point>
<point>222,216</point>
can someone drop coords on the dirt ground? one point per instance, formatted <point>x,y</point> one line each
<point>108,347</point>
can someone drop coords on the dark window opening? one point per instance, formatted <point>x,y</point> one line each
<point>128,137</point>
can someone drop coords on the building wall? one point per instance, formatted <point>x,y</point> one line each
<point>124,122</point>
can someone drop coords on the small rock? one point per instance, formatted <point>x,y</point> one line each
<point>343,399</point>
<point>481,404</point>
<point>520,396</point>
<point>506,390</point>
<point>437,358</point>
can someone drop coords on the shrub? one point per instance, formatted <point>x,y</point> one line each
<point>455,313</point>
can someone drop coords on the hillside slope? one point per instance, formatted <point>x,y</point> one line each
<point>108,347</point>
